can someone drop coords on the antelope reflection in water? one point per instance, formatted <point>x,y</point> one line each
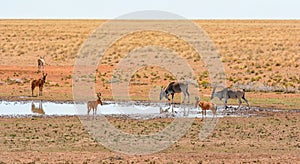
<point>186,110</point>
<point>39,109</point>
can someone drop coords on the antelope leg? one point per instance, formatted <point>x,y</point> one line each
<point>183,97</point>
<point>240,102</point>
<point>172,98</point>
<point>246,102</point>
<point>225,103</point>
<point>188,94</point>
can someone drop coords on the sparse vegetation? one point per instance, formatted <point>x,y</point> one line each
<point>272,138</point>
<point>252,54</point>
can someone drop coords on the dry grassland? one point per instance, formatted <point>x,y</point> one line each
<point>261,56</point>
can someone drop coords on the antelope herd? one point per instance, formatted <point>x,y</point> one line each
<point>171,89</point>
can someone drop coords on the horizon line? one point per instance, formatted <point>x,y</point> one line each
<point>13,18</point>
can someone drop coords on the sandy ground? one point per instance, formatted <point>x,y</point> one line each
<point>270,137</point>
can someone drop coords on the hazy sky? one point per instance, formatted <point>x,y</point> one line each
<point>191,9</point>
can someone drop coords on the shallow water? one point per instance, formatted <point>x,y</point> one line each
<point>134,109</point>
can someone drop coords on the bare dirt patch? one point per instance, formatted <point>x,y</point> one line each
<point>271,138</point>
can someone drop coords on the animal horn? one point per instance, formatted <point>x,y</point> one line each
<point>213,92</point>
<point>99,95</point>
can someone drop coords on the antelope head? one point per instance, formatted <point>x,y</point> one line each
<point>163,94</point>
<point>99,98</point>
<point>219,94</point>
<point>44,76</point>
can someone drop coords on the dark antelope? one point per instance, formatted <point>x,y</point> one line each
<point>94,104</point>
<point>206,106</point>
<point>41,64</point>
<point>175,87</point>
<point>227,93</point>
<point>40,83</point>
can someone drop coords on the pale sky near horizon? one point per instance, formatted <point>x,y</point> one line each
<point>190,9</point>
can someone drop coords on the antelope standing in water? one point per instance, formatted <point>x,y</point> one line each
<point>41,64</point>
<point>94,104</point>
<point>206,106</point>
<point>227,93</point>
<point>40,83</point>
<point>175,87</point>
